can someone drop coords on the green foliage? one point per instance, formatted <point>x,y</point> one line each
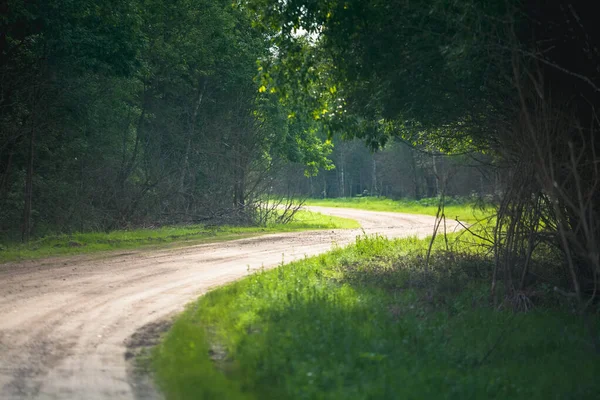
<point>423,70</point>
<point>79,34</point>
<point>368,322</point>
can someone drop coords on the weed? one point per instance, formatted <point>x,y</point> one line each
<point>369,322</point>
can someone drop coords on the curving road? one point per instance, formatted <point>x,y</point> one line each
<point>67,325</point>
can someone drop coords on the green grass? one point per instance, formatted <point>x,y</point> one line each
<point>465,211</point>
<point>367,322</point>
<point>91,242</point>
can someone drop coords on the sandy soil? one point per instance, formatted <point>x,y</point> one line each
<point>69,326</point>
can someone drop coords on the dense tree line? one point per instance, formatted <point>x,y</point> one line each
<point>123,113</point>
<point>397,171</point>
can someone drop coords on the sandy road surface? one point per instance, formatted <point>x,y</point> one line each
<point>65,324</point>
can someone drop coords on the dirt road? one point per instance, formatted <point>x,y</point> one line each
<point>65,324</point>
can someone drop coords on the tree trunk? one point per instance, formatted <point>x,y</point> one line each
<point>26,229</point>
<point>415,177</point>
<point>188,140</point>
<point>437,176</point>
<point>239,184</point>
<point>240,190</point>
<point>5,176</point>
<point>342,177</point>
<point>374,191</point>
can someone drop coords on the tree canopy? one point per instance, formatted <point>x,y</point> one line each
<point>412,68</point>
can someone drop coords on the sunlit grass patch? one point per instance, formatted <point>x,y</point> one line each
<point>90,242</point>
<point>369,321</point>
<point>465,211</point>
<point>314,220</point>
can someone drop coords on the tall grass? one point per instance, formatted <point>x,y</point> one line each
<point>368,322</point>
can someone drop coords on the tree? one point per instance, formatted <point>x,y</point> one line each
<point>127,113</point>
<point>517,80</point>
<point>420,69</point>
<point>38,43</point>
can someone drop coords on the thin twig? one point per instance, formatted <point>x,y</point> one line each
<point>501,336</point>
<point>465,227</point>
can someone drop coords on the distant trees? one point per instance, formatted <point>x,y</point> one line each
<point>397,171</point>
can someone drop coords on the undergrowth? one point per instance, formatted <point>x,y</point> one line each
<point>373,321</point>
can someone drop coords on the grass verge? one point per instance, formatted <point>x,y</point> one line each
<point>464,211</point>
<point>80,243</point>
<point>369,322</point>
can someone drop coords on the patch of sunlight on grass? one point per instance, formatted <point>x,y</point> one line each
<point>167,236</point>
<point>366,322</point>
<point>464,211</point>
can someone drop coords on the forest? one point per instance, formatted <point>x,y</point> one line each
<point>124,114</point>
<point>120,114</point>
